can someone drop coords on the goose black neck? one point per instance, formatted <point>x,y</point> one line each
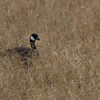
<point>32,43</point>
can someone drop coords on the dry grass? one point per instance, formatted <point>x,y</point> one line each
<point>68,67</point>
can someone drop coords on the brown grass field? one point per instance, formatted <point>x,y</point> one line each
<point>68,66</point>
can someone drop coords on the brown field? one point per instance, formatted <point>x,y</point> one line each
<point>68,67</point>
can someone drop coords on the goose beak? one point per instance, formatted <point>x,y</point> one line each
<point>37,38</point>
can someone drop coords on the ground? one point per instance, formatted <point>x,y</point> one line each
<point>68,66</point>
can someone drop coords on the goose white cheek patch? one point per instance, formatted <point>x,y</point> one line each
<point>32,38</point>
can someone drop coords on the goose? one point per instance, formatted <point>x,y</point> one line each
<point>27,50</point>
<point>23,53</point>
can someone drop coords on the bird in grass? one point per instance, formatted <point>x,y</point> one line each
<point>26,50</point>
<point>22,53</point>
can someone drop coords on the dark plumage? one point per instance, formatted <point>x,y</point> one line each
<point>27,50</point>
<point>24,53</point>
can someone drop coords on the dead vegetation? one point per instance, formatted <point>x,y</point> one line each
<point>68,67</point>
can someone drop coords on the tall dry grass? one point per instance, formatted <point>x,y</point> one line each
<point>68,67</point>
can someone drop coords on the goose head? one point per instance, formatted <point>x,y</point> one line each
<point>33,38</point>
